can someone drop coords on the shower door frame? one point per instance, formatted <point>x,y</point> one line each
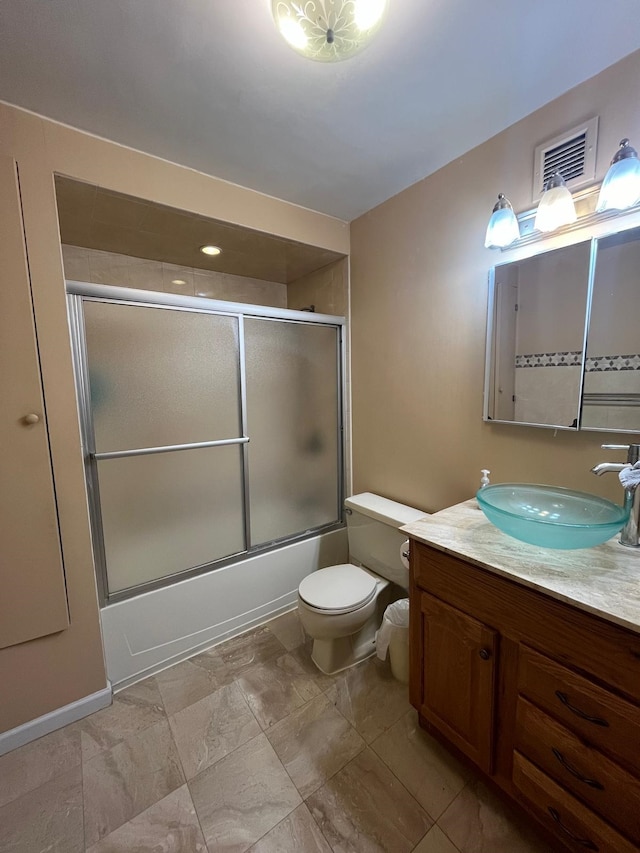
<point>77,293</point>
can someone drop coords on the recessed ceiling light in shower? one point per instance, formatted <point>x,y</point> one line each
<point>210,250</point>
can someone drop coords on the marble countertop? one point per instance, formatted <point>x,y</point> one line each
<point>604,580</point>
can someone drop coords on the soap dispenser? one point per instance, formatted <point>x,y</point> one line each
<point>484,480</point>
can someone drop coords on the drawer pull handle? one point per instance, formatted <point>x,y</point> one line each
<point>598,721</point>
<point>485,654</point>
<point>584,842</point>
<point>592,783</point>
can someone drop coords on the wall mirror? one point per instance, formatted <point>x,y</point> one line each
<point>611,392</point>
<point>563,340</point>
<point>537,334</point>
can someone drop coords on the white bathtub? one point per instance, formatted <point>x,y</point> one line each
<point>145,634</point>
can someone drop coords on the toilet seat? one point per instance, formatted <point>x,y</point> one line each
<point>338,589</point>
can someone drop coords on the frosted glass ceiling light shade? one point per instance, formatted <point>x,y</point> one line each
<point>556,206</point>
<point>621,186</point>
<point>328,30</point>
<point>503,226</point>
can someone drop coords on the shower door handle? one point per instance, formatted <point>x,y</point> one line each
<point>167,448</point>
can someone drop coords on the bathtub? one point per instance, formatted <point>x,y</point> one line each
<point>156,629</point>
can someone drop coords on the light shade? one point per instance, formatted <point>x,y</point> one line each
<point>328,30</point>
<point>503,226</point>
<point>621,186</point>
<point>556,206</point>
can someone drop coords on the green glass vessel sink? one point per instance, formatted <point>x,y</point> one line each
<point>550,516</point>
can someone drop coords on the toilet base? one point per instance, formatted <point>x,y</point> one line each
<point>333,656</point>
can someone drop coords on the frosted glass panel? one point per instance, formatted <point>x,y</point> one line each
<point>148,370</point>
<point>293,412</point>
<point>169,512</point>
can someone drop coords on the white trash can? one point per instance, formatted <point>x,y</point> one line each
<point>394,637</point>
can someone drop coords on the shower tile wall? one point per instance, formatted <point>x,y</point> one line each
<point>326,289</point>
<point>125,271</point>
<point>616,380</point>
<point>547,382</point>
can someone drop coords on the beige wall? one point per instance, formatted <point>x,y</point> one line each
<point>418,309</point>
<point>44,674</point>
<point>126,271</point>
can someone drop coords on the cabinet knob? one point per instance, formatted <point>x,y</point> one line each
<point>31,418</point>
<point>485,654</point>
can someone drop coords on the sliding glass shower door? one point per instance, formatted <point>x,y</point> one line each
<point>293,412</point>
<point>208,433</point>
<point>164,386</point>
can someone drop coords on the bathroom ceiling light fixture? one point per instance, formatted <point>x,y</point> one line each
<point>178,281</point>
<point>556,206</point>
<point>503,227</point>
<point>210,250</point>
<point>328,30</point>
<point>621,186</point>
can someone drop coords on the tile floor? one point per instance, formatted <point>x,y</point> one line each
<point>249,747</point>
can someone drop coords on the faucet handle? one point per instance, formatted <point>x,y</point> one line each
<point>633,451</point>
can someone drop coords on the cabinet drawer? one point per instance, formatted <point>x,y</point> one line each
<point>599,782</point>
<point>598,716</point>
<point>578,827</point>
<point>583,641</point>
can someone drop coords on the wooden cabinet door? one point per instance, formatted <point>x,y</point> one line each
<point>33,600</point>
<point>458,678</point>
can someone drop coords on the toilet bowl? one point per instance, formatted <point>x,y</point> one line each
<point>341,607</point>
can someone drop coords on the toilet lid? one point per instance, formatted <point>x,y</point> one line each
<point>345,587</point>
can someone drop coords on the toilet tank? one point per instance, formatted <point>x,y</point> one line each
<point>373,524</point>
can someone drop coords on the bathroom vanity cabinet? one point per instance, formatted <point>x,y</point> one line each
<point>540,695</point>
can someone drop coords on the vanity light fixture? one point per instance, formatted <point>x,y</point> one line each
<point>328,30</point>
<point>621,186</point>
<point>210,250</point>
<point>503,227</point>
<point>556,206</point>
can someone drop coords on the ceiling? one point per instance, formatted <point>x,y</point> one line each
<point>212,85</point>
<point>96,218</point>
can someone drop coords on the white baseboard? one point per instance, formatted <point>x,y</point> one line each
<point>34,729</point>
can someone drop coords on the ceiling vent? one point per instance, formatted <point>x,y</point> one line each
<point>573,153</point>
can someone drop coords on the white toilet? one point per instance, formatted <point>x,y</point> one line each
<point>341,607</point>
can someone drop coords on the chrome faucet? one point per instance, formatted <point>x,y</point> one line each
<point>629,534</point>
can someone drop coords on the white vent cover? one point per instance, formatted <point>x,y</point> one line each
<point>572,152</point>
